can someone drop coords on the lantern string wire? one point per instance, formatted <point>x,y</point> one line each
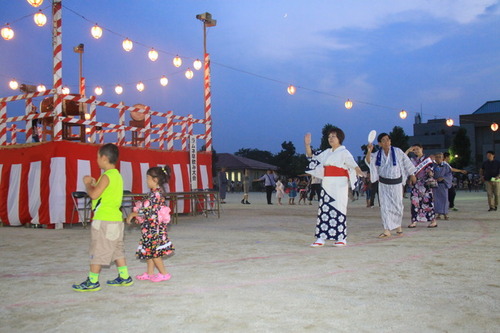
<point>213,63</point>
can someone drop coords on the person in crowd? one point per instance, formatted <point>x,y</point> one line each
<point>490,175</point>
<point>269,180</point>
<point>336,166</point>
<point>107,223</point>
<point>302,186</point>
<point>291,188</point>
<point>422,202</point>
<point>452,191</point>
<point>443,176</point>
<point>280,191</point>
<point>314,188</point>
<point>222,182</point>
<point>373,193</point>
<point>153,214</point>
<point>246,187</point>
<point>390,166</point>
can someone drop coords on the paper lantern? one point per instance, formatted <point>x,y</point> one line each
<point>177,61</point>
<point>403,114</point>
<point>35,3</point>
<point>348,104</point>
<point>197,64</point>
<point>140,86</point>
<point>98,91</point>
<point>163,80</point>
<point>7,32</point>
<point>13,84</point>
<point>40,18</point>
<point>291,89</point>
<point>153,55</point>
<point>96,31</point>
<point>127,44</point>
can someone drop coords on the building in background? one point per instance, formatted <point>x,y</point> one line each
<point>434,136</point>
<point>481,135</point>
<point>235,170</point>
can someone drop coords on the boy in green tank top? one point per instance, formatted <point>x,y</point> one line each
<point>107,223</point>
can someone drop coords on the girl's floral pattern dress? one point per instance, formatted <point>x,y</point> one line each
<point>422,201</point>
<point>154,216</point>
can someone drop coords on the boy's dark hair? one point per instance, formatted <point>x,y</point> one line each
<point>339,133</point>
<point>381,136</point>
<point>110,151</point>
<point>490,152</point>
<point>446,154</point>
<point>162,174</point>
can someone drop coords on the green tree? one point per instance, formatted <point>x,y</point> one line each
<point>256,154</point>
<point>289,162</point>
<point>460,148</point>
<point>399,138</point>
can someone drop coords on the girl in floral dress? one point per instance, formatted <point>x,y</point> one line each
<point>153,214</point>
<point>422,201</point>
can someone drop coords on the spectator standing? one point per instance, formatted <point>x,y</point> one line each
<point>490,175</point>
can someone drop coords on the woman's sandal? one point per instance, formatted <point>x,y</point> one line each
<point>382,235</point>
<point>413,225</point>
<point>399,233</point>
<point>432,226</point>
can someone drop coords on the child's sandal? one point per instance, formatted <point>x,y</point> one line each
<point>143,276</point>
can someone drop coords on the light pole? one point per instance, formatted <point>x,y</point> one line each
<point>207,20</point>
<point>81,83</point>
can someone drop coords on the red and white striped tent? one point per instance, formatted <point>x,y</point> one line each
<point>36,180</point>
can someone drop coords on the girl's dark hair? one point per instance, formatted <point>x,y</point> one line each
<point>418,145</point>
<point>339,133</point>
<point>162,174</point>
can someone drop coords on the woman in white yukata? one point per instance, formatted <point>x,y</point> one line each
<point>336,167</point>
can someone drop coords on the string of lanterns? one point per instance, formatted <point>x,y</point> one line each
<point>96,31</point>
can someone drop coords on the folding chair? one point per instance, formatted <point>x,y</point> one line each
<point>82,205</point>
<point>127,203</point>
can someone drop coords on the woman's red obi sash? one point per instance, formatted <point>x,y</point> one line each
<point>333,171</point>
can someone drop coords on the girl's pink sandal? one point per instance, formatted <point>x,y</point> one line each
<point>143,276</point>
<point>160,277</point>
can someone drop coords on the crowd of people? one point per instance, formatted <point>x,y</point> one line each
<point>334,177</point>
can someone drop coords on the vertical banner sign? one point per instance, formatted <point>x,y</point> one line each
<point>193,171</point>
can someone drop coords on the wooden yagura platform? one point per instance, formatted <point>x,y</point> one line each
<point>36,180</point>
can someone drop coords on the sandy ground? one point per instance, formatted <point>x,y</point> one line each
<point>253,271</point>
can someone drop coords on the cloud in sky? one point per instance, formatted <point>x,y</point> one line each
<point>320,24</point>
<point>394,53</point>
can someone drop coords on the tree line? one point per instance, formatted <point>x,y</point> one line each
<point>291,163</point>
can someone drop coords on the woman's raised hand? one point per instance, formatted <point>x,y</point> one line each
<point>307,139</point>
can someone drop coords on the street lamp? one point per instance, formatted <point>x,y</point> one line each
<point>207,20</point>
<point>81,83</point>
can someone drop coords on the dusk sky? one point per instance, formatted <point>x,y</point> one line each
<point>440,58</point>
